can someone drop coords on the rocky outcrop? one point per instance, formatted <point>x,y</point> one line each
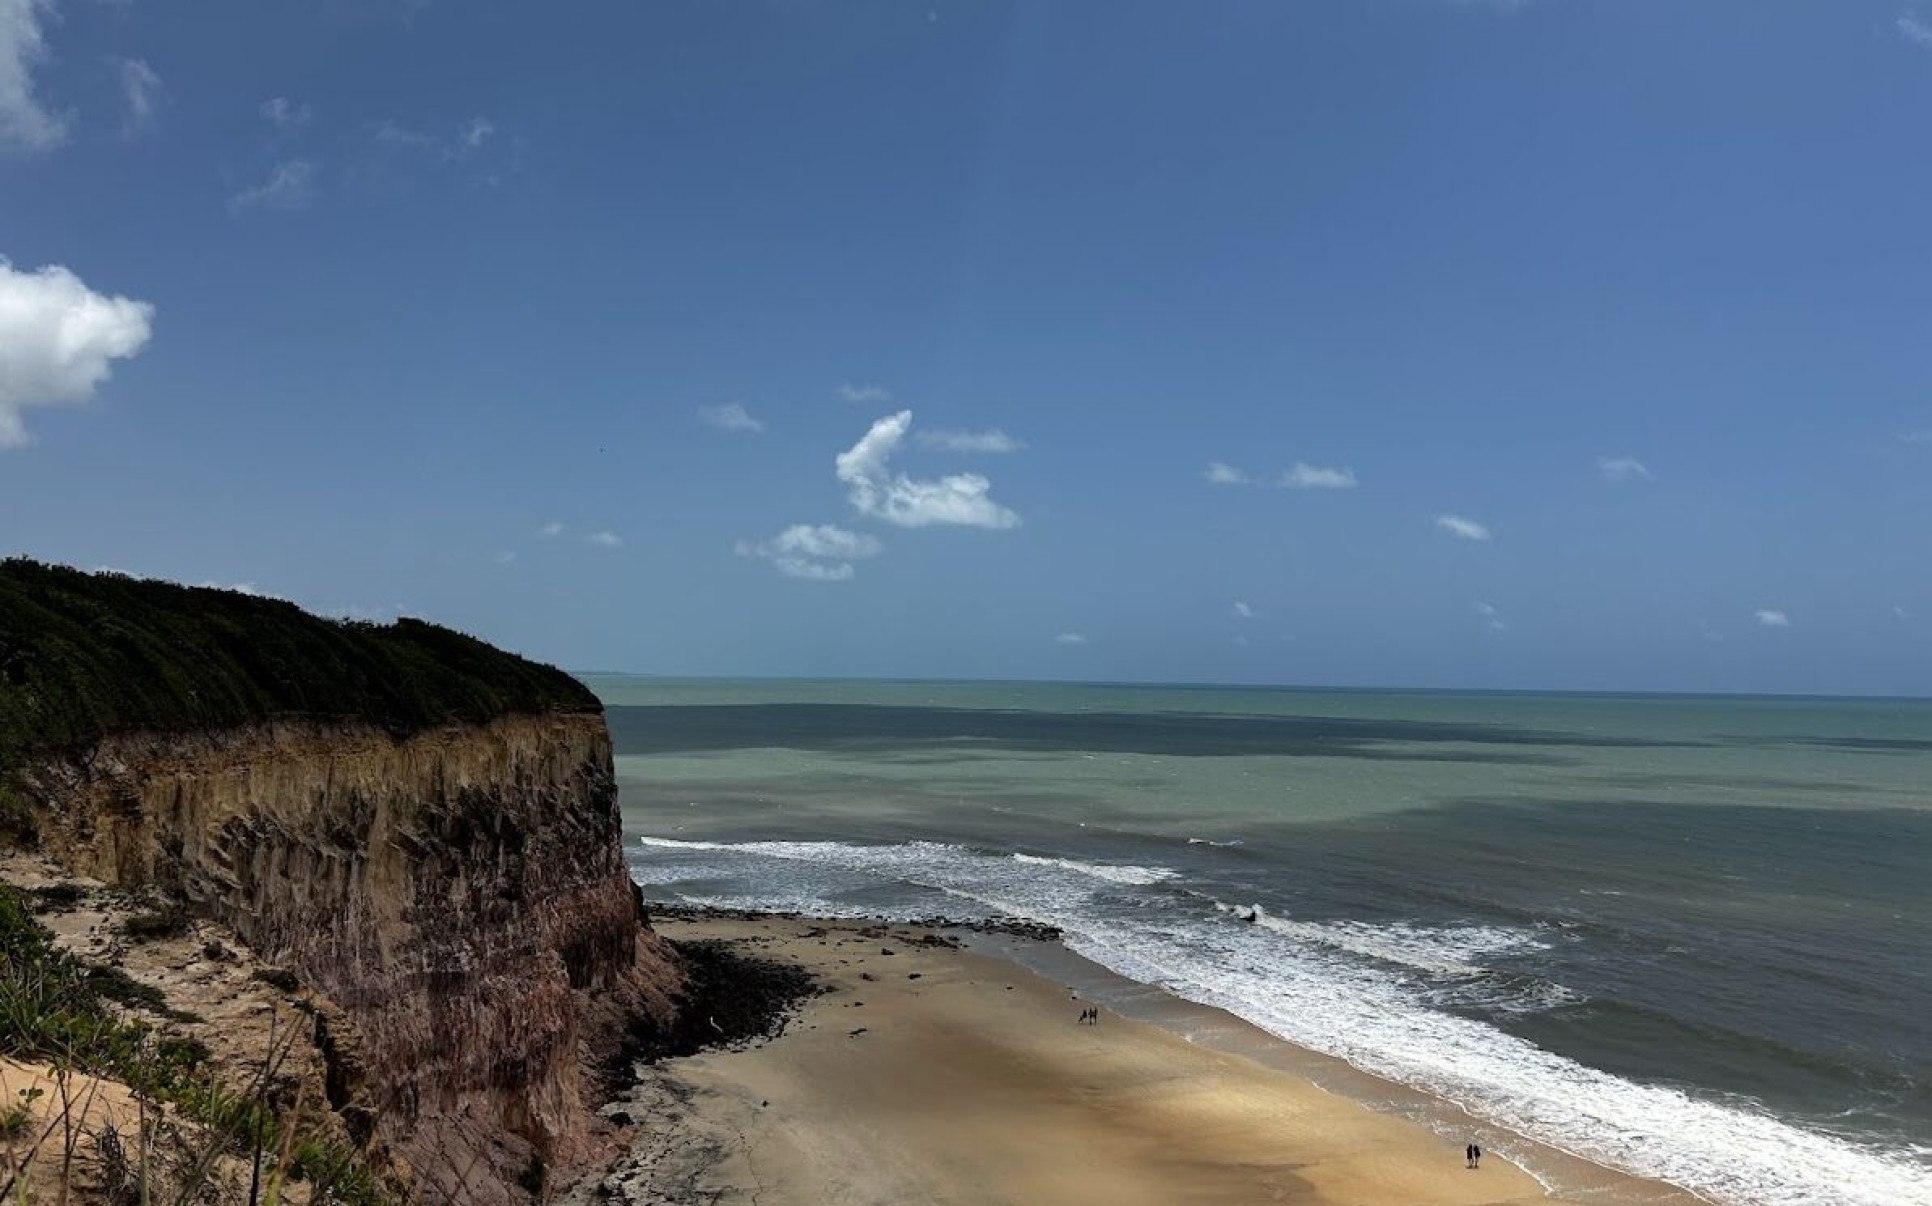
<point>458,895</point>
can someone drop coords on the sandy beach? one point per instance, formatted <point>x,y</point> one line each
<point>932,1074</point>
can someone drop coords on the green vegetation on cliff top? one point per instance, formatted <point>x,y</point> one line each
<point>85,655</point>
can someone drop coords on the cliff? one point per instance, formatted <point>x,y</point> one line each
<point>435,852</point>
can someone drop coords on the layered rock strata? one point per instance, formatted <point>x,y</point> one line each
<point>458,896</point>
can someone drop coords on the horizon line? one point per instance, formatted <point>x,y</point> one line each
<point>1309,688</point>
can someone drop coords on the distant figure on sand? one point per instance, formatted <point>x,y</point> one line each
<point>1089,1017</point>
<point>1469,1155</point>
<point>1475,1155</point>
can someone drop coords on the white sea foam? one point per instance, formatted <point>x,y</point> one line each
<point>1350,990</point>
<point>1119,873</point>
<point>1443,951</point>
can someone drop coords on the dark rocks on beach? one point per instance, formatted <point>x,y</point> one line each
<point>730,1000</point>
<point>879,927</point>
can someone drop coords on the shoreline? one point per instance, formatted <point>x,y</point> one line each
<point>944,1063</point>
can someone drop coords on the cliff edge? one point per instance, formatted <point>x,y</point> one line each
<point>421,828</point>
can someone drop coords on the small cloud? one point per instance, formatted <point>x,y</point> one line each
<point>290,186</point>
<point>1899,612</point>
<point>26,124</point>
<point>1244,612</point>
<point>504,557</point>
<point>1225,475</point>
<point>1621,468</point>
<point>240,588</point>
<point>815,552</point>
<point>394,136</point>
<point>473,135</point>
<point>285,114</point>
<point>1462,529</point>
<point>1771,617</point>
<point>1915,29</point>
<point>141,93</point>
<point>992,441</point>
<point>1316,477</point>
<point>1071,638</point>
<point>551,530</point>
<point>604,540</point>
<point>1493,619</point>
<point>962,499</point>
<point>729,416</point>
<point>867,395</point>
<point>1923,436</point>
<point>58,341</point>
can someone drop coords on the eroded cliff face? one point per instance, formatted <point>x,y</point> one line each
<point>459,896</point>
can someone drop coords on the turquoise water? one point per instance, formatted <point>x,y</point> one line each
<point>1688,937</point>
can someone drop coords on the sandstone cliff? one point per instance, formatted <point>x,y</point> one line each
<point>458,894</point>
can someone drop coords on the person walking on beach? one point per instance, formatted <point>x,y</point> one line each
<point>1469,1155</point>
<point>1475,1155</point>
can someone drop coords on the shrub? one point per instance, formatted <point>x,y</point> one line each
<point>58,898</point>
<point>170,922</point>
<point>84,655</point>
<point>53,1009</point>
<point>277,977</point>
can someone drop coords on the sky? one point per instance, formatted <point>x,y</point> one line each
<point>1570,344</point>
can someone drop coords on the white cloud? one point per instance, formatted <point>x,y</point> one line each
<point>1916,29</point>
<point>551,530</point>
<point>285,114</point>
<point>473,135</point>
<point>1317,477</point>
<point>1225,475</point>
<point>874,490</point>
<point>290,185</point>
<point>1923,436</point>
<point>58,341</point>
<point>472,144</point>
<point>1771,617</point>
<point>869,395</point>
<point>1621,468</point>
<point>1899,612</point>
<point>729,416</point>
<point>1492,617</point>
<point>504,557</point>
<point>816,552</point>
<point>992,441</point>
<point>1462,529</point>
<point>25,123</point>
<point>1071,638</point>
<point>605,540</point>
<point>1243,611</point>
<point>240,588</point>
<point>141,92</point>
<point>395,136</point>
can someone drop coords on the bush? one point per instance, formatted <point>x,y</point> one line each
<point>84,655</point>
<point>171,922</point>
<point>58,898</point>
<point>53,1009</point>
<point>277,977</point>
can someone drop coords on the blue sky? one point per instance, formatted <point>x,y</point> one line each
<point>1554,343</point>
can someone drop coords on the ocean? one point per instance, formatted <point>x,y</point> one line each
<point>1685,937</point>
